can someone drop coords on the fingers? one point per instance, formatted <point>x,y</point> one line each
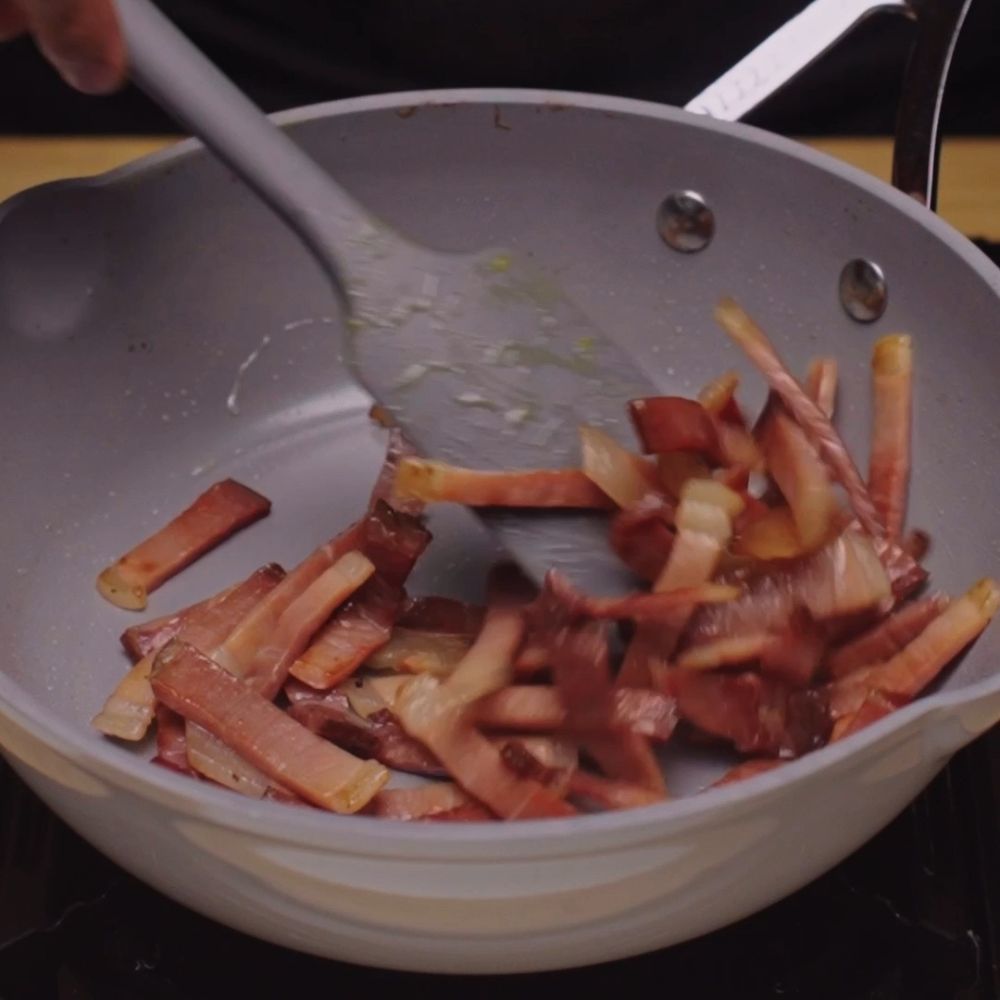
<point>12,20</point>
<point>82,39</point>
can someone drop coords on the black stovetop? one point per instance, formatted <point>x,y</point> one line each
<point>913,915</point>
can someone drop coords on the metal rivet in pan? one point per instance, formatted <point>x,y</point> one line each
<point>863,291</point>
<point>685,222</point>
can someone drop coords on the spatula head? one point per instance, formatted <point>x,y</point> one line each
<point>485,362</point>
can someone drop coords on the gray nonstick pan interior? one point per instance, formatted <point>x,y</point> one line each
<point>130,307</point>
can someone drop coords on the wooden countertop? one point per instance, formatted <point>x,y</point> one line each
<point>970,169</point>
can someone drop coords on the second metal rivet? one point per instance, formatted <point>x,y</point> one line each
<point>685,222</point>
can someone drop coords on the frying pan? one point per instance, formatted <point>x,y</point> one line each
<point>131,306</point>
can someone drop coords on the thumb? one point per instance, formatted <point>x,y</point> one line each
<point>12,20</point>
<point>82,39</point>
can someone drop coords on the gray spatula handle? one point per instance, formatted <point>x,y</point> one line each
<point>187,85</point>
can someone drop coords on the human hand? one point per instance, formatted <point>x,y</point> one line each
<point>81,38</point>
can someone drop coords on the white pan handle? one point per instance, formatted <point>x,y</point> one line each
<point>784,55</point>
<point>808,35</point>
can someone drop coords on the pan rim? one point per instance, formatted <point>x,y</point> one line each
<point>302,827</point>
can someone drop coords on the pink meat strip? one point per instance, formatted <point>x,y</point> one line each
<point>192,685</point>
<point>588,789</point>
<point>539,708</point>
<point>582,673</point>
<point>443,725</point>
<point>302,619</point>
<point>265,645</point>
<point>171,741</point>
<point>870,708</point>
<point>758,715</point>
<point>129,709</point>
<point>398,448</point>
<point>442,614</point>
<point>219,512</point>
<point>606,793</point>
<point>437,713</point>
<point>393,542</point>
<point>792,654</point>
<point>883,641</point>
<point>643,535</point>
<point>821,384</point>
<point>889,465</point>
<point>674,423</point>
<point>704,527</point>
<point>902,677</point>
<point>378,737</point>
<point>906,575</point>
<point>435,801</point>
<point>799,473</point>
<point>150,637</point>
<point>422,480</point>
<point>641,606</point>
<point>356,631</point>
<point>842,579</point>
<point>240,649</point>
<point>745,332</point>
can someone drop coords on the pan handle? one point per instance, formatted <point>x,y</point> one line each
<point>781,57</point>
<point>918,147</point>
<point>797,44</point>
